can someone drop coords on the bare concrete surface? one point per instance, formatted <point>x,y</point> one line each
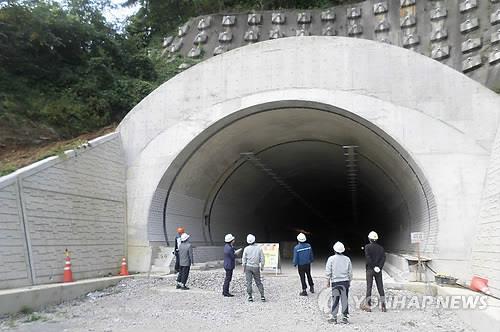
<point>155,305</point>
<point>15,300</point>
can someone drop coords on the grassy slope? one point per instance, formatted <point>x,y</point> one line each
<point>14,157</point>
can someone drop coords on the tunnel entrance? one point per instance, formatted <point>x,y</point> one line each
<point>281,169</point>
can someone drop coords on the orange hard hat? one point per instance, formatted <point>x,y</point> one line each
<point>180,230</point>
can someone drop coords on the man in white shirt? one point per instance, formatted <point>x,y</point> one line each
<point>339,272</point>
<point>253,262</point>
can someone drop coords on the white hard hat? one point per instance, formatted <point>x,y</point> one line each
<point>250,238</point>
<point>338,247</point>
<point>228,238</point>
<point>301,237</point>
<point>373,236</point>
<point>184,237</point>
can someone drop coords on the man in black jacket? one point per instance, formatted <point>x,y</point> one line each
<point>229,263</point>
<point>375,259</point>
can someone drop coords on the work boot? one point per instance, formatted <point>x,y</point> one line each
<point>365,307</point>
<point>311,288</point>
<point>384,309</point>
<point>303,293</point>
<point>250,298</point>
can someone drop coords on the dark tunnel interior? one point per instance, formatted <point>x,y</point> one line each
<point>312,187</point>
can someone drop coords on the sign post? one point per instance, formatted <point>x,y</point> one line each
<point>271,256</point>
<point>417,238</point>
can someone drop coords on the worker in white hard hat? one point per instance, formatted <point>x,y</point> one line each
<point>302,259</point>
<point>185,261</point>
<point>339,272</point>
<point>229,263</point>
<point>375,259</point>
<point>253,262</point>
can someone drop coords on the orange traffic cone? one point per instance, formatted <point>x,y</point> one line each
<point>479,284</point>
<point>124,270</point>
<point>68,275</point>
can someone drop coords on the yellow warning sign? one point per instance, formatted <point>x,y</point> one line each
<point>271,255</point>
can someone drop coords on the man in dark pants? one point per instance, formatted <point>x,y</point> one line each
<point>253,262</point>
<point>185,261</point>
<point>339,272</point>
<point>229,263</point>
<point>302,258</point>
<point>375,259</point>
<point>180,230</point>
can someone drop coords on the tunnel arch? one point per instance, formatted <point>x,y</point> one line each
<point>421,217</point>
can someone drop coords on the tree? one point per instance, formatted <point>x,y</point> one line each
<point>67,67</point>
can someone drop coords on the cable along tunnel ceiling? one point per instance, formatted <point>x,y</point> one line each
<point>296,179</point>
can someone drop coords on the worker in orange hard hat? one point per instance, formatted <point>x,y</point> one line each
<point>180,231</point>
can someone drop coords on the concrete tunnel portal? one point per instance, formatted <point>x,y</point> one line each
<point>285,167</point>
<point>254,141</point>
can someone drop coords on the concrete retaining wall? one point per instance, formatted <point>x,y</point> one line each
<point>13,301</point>
<point>486,247</point>
<point>75,202</point>
<point>13,248</point>
<point>440,37</point>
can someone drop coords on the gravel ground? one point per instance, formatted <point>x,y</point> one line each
<point>155,305</point>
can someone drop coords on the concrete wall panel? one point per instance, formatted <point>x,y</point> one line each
<point>75,203</point>
<point>486,245</point>
<point>13,250</point>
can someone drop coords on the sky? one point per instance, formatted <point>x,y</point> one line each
<point>118,14</point>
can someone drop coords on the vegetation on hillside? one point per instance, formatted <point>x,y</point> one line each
<point>68,68</point>
<point>66,71</point>
<point>64,66</point>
